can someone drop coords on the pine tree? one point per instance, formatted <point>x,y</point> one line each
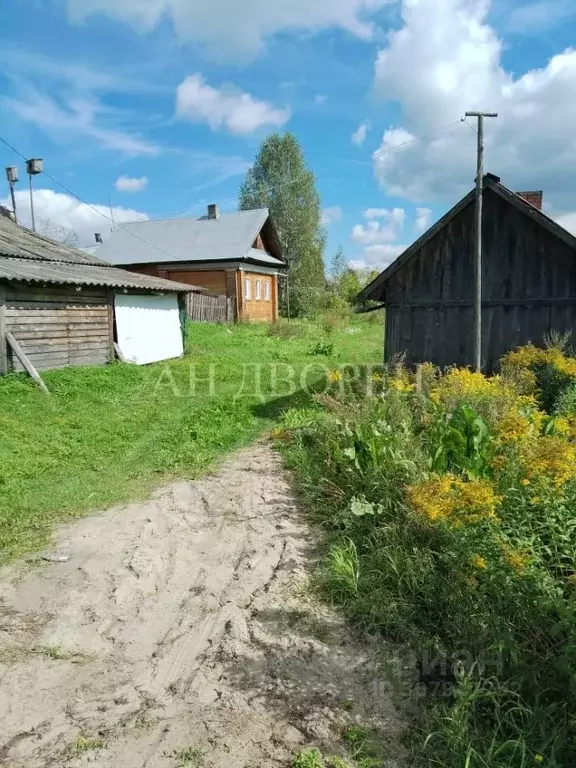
<point>281,182</point>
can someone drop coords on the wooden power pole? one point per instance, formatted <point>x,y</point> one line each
<point>478,239</point>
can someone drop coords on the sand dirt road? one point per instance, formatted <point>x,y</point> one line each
<point>182,632</point>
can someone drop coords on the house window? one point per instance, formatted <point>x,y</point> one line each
<point>267,290</point>
<point>247,289</point>
<point>257,290</point>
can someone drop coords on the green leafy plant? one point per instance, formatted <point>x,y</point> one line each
<point>461,442</point>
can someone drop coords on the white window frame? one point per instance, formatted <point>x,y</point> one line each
<point>247,289</point>
<point>257,289</point>
<point>267,291</point>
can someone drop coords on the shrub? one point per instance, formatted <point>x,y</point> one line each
<point>322,348</point>
<point>449,504</point>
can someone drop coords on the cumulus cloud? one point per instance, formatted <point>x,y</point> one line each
<point>232,29</point>
<point>67,212</point>
<point>567,220</point>
<point>330,215</point>
<point>446,59</point>
<point>385,231</point>
<point>378,256</point>
<point>131,184</point>
<point>423,219</point>
<point>359,135</point>
<point>238,112</point>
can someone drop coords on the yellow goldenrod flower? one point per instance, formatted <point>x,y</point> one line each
<point>450,499</point>
<point>550,458</point>
<point>479,562</point>
<point>334,376</point>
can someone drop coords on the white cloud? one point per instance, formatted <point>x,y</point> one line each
<point>78,117</point>
<point>534,18</point>
<point>447,59</point>
<point>131,184</point>
<point>423,219</point>
<point>237,111</point>
<point>359,135</point>
<point>330,215</point>
<point>229,28</point>
<point>379,232</point>
<point>378,256</point>
<point>566,220</point>
<point>70,213</point>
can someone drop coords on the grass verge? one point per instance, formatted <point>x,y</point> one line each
<point>109,434</point>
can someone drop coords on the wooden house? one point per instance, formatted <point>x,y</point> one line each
<point>60,306</point>
<point>528,282</point>
<point>237,255</point>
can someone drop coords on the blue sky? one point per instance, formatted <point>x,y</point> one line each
<point>160,105</point>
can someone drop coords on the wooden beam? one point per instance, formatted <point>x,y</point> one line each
<point>19,352</point>
<point>3,350</point>
<point>118,351</point>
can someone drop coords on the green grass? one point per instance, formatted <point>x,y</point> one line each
<point>109,434</point>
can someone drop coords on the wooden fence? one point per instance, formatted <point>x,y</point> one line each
<point>210,308</point>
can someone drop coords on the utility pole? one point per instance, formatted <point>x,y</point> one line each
<point>12,176</point>
<point>478,239</point>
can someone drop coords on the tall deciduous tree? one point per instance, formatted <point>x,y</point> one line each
<point>281,182</point>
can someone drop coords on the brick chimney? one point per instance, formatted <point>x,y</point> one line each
<point>213,211</point>
<point>534,198</point>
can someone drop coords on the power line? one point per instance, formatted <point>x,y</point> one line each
<point>199,206</point>
<point>92,207</point>
<point>328,170</point>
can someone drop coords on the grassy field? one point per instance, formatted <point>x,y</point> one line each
<point>110,434</point>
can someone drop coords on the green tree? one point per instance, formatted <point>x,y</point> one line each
<point>280,181</point>
<point>338,264</point>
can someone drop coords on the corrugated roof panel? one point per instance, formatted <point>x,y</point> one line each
<point>226,238</point>
<point>28,270</point>
<point>25,244</point>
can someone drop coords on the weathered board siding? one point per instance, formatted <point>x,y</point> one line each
<point>58,326</point>
<point>529,289</point>
<point>209,308</point>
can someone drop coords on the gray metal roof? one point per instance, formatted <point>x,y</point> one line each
<point>255,254</point>
<point>230,237</point>
<point>28,257</point>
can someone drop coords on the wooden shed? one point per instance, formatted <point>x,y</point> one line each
<point>528,282</point>
<point>62,306</point>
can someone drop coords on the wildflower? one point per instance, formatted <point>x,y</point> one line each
<point>479,562</point>
<point>515,558</point>
<point>449,499</point>
<point>401,385</point>
<point>377,377</point>
<point>334,376</point>
<point>525,481</point>
<point>539,758</point>
<point>550,458</point>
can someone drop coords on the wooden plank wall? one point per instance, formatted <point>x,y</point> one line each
<point>529,290</point>
<point>58,326</point>
<point>205,308</point>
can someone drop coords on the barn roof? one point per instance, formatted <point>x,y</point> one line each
<point>29,257</point>
<point>374,289</point>
<point>229,237</point>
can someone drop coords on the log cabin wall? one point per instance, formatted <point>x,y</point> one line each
<point>58,326</point>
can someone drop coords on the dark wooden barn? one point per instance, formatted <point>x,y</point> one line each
<point>528,282</point>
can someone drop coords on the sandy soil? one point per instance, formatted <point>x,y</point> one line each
<point>182,632</point>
